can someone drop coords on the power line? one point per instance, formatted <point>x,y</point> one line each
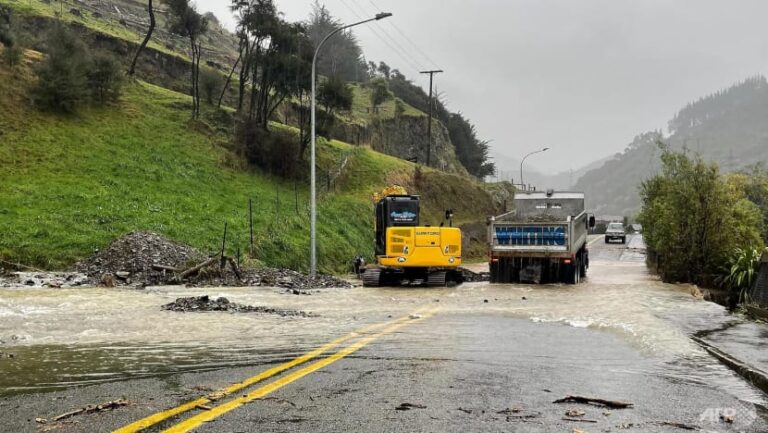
<point>411,63</point>
<point>402,33</point>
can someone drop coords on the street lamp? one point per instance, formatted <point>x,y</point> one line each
<point>313,195</point>
<point>524,158</point>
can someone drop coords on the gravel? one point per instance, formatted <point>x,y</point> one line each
<point>205,303</point>
<point>130,261</point>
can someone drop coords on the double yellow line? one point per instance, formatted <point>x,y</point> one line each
<point>195,421</point>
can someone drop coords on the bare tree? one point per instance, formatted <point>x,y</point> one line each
<point>144,43</point>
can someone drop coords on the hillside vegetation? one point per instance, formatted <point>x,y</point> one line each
<point>71,184</point>
<point>727,127</point>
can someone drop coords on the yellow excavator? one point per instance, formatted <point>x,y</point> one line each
<point>408,253</point>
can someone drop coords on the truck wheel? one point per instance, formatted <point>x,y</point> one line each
<point>606,240</point>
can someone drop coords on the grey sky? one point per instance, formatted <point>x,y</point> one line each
<point>580,76</point>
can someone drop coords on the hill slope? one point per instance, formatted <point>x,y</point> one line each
<point>727,127</point>
<point>69,185</point>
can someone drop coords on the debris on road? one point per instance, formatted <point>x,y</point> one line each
<point>613,404</point>
<point>474,277</point>
<point>679,425</point>
<point>140,255</point>
<point>44,279</point>
<point>205,303</point>
<point>409,406</point>
<point>574,413</point>
<point>147,259</point>
<point>110,405</point>
<point>578,420</point>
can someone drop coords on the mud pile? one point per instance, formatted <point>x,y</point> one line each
<point>148,259</point>
<point>205,303</point>
<point>133,257</point>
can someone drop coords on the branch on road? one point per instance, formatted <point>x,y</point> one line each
<point>614,404</point>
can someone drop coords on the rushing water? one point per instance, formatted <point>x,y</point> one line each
<point>62,337</point>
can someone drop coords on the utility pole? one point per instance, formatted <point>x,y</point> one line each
<point>429,122</point>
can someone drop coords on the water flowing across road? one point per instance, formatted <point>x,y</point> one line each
<point>62,337</point>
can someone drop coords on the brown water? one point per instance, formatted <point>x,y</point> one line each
<point>63,337</point>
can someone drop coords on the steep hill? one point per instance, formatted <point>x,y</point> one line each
<point>119,26</point>
<point>728,127</point>
<point>71,184</point>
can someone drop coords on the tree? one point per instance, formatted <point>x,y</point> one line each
<point>334,94</point>
<point>694,218</point>
<point>342,55</point>
<point>384,69</point>
<point>9,37</point>
<point>210,84</point>
<point>144,43</point>
<point>105,79</point>
<point>470,150</point>
<point>185,21</point>
<point>276,59</point>
<point>62,76</point>
<point>379,93</point>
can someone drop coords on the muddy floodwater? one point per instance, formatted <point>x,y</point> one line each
<point>64,337</point>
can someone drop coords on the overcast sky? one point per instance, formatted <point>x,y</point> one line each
<point>580,76</point>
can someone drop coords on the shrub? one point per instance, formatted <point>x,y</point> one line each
<point>13,54</point>
<point>62,77</point>
<point>211,83</point>
<point>693,218</point>
<point>105,78</point>
<point>276,152</point>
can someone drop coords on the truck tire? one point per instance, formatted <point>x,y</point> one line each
<point>572,273</point>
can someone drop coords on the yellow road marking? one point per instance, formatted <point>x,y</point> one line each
<point>162,416</point>
<point>207,416</point>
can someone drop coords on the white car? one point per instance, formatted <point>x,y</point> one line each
<point>615,231</point>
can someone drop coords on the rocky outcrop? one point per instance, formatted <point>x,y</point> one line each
<point>404,137</point>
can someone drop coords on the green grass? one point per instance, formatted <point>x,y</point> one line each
<point>99,25</point>
<point>70,185</point>
<point>362,114</point>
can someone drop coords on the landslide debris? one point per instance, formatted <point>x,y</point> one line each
<point>205,303</point>
<point>148,259</point>
<point>130,259</point>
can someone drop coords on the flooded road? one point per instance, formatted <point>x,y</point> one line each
<point>66,337</point>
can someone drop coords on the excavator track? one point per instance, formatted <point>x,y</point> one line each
<point>372,277</point>
<point>437,279</point>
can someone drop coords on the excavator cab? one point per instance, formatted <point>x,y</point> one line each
<point>408,253</point>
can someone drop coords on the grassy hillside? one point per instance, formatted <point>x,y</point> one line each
<point>70,185</point>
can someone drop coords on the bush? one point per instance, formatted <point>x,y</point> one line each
<point>62,77</point>
<point>211,83</point>
<point>12,55</point>
<point>71,76</point>
<point>379,93</point>
<point>276,152</point>
<point>105,78</point>
<point>694,218</point>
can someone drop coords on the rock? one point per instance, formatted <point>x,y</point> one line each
<point>122,275</point>
<point>205,303</point>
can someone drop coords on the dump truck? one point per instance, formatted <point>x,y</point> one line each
<point>408,253</point>
<point>543,240</point>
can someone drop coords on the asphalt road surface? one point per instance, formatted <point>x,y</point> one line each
<point>477,358</point>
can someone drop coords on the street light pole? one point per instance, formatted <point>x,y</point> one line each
<point>524,158</point>
<point>313,194</point>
